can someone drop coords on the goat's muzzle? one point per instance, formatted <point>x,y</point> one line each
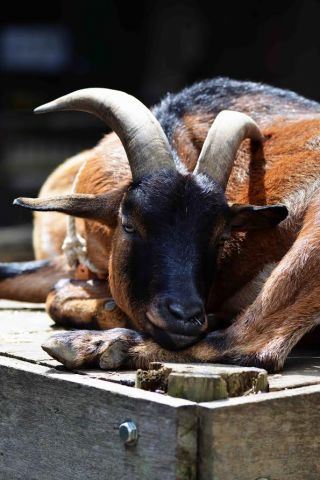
<point>176,324</point>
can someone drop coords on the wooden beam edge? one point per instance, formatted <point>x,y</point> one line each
<point>261,397</point>
<point>83,380</point>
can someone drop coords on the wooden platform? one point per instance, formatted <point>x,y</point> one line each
<point>56,424</point>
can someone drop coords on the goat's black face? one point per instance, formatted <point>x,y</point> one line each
<point>165,254</point>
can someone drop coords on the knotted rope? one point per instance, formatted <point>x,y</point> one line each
<point>75,246</point>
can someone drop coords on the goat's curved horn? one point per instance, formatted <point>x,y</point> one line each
<point>219,150</point>
<point>143,139</point>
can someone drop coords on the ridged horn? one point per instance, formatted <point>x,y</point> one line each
<point>219,150</point>
<point>144,141</point>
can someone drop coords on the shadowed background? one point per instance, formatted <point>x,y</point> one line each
<point>146,48</point>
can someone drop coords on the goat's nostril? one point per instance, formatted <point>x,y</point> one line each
<point>176,310</point>
<point>191,312</point>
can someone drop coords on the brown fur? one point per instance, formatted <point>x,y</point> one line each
<point>288,305</point>
<point>82,304</point>
<point>34,287</point>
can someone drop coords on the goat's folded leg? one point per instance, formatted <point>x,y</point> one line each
<point>84,304</point>
<point>287,307</point>
<point>263,338</point>
<point>120,348</point>
<point>91,348</point>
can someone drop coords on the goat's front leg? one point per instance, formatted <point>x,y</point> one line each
<point>121,348</point>
<point>287,307</point>
<point>265,333</point>
<point>84,304</point>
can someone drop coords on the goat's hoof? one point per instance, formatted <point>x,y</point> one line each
<point>86,348</point>
<point>115,353</point>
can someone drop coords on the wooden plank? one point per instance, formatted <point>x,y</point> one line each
<point>266,436</point>
<point>299,371</point>
<point>239,438</point>
<point>56,425</point>
<point>13,305</point>
<point>122,377</point>
<point>23,331</point>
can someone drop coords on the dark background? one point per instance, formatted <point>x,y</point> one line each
<point>145,48</point>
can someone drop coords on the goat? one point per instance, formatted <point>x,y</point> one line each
<point>197,232</point>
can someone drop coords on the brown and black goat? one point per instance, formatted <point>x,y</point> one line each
<point>205,230</point>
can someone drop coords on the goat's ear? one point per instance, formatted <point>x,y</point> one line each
<point>248,217</point>
<point>102,208</point>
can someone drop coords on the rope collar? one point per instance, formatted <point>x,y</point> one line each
<point>75,246</point>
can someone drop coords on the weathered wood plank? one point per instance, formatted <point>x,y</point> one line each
<point>122,377</point>
<point>12,305</point>
<point>270,435</point>
<point>23,331</point>
<point>299,371</point>
<point>58,425</point>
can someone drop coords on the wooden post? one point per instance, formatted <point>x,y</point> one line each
<point>202,382</point>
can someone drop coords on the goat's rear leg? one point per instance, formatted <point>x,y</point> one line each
<point>31,281</point>
<point>84,304</point>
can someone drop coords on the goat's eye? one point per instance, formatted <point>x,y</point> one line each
<point>128,228</point>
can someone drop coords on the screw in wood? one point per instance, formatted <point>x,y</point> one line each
<point>128,432</point>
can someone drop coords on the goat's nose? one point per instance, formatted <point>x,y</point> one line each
<point>191,311</point>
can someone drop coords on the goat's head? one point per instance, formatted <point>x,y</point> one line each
<point>168,224</point>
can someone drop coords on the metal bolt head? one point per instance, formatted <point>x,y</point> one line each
<point>128,432</point>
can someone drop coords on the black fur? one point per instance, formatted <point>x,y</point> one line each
<point>212,96</point>
<point>179,216</point>
<point>172,250</point>
<point>9,270</point>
